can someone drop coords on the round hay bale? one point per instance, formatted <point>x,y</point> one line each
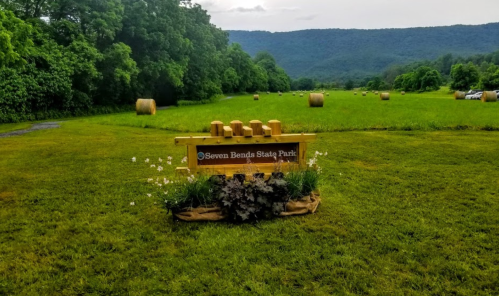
<point>459,95</point>
<point>403,93</point>
<point>268,92</point>
<point>316,100</point>
<point>145,107</point>
<point>280,94</point>
<point>301,95</point>
<point>327,94</point>
<point>489,96</point>
<point>355,93</point>
<point>294,94</point>
<point>376,93</point>
<point>256,97</point>
<point>364,94</point>
<point>385,96</point>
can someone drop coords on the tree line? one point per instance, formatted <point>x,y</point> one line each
<point>74,57</point>
<point>459,73</point>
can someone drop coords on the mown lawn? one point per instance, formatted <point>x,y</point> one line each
<point>403,213</point>
<point>343,111</point>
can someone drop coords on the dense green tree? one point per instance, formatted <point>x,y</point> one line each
<point>464,76</point>
<point>374,84</point>
<point>43,84</point>
<point>15,41</point>
<point>241,62</point>
<point>278,79</point>
<point>230,80</point>
<point>303,84</point>
<point>260,79</point>
<point>490,79</point>
<point>119,76</point>
<point>349,85</point>
<point>202,78</point>
<point>422,79</point>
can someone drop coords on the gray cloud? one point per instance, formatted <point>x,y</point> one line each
<point>290,15</point>
<point>307,18</point>
<point>257,8</point>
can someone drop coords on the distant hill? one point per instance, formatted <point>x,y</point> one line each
<point>342,54</point>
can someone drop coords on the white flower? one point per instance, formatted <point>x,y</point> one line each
<point>317,153</point>
<point>153,165</point>
<point>166,181</point>
<point>170,158</point>
<point>189,171</point>
<point>169,162</point>
<point>311,162</point>
<point>325,153</point>
<point>134,159</point>
<point>132,203</point>
<point>160,160</point>
<point>147,160</point>
<point>149,180</point>
<point>159,184</point>
<point>166,193</point>
<point>149,195</point>
<point>160,168</point>
<point>341,174</point>
<point>184,159</point>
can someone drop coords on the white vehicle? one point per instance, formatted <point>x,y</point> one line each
<point>477,96</point>
<point>474,96</point>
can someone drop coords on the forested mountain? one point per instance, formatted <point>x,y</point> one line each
<point>344,54</point>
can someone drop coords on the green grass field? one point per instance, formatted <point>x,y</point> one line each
<point>403,212</point>
<point>342,112</point>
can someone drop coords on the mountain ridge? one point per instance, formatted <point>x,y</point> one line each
<point>342,54</point>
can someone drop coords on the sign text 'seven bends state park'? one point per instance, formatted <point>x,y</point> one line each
<point>230,149</point>
<point>252,153</point>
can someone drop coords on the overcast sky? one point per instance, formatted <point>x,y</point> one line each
<point>291,15</point>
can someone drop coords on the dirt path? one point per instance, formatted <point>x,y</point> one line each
<point>35,127</point>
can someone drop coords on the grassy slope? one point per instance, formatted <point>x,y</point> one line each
<point>404,213</point>
<point>342,112</point>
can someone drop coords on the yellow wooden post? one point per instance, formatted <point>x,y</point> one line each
<point>248,131</point>
<point>192,157</point>
<point>228,132</point>
<point>275,125</point>
<point>217,128</point>
<point>267,131</point>
<point>237,128</point>
<point>257,127</point>
<point>302,161</point>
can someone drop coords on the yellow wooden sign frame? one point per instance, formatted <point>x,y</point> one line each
<point>237,134</point>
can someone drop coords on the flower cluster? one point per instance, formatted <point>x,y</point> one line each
<point>155,181</point>
<point>312,163</point>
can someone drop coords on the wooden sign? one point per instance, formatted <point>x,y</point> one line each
<point>233,149</point>
<point>244,154</point>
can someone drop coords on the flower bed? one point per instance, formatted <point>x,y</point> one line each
<point>242,197</point>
